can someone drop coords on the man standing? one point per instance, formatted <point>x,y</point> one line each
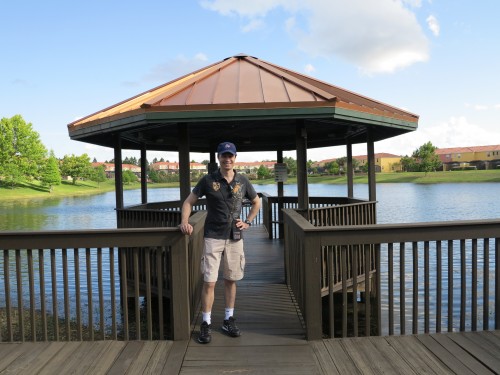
<point>225,190</point>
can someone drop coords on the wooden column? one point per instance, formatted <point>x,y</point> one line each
<point>118,172</point>
<point>301,141</point>
<point>372,194</point>
<point>144,175</point>
<point>281,193</point>
<point>212,165</point>
<point>184,162</point>
<point>279,159</point>
<point>350,172</point>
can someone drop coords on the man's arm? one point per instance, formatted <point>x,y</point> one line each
<point>253,211</point>
<point>187,207</point>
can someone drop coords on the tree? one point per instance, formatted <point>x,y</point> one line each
<point>50,174</point>
<point>332,167</point>
<point>263,173</point>
<point>426,158</point>
<point>291,165</point>
<point>22,154</point>
<point>76,166</point>
<point>408,164</point>
<point>98,174</point>
<point>128,176</point>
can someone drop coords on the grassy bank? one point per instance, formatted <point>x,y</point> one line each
<point>35,191</point>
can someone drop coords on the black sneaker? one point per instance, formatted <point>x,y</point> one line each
<point>205,333</point>
<point>229,326</point>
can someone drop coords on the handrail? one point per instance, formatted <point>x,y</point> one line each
<point>403,253</point>
<point>51,283</point>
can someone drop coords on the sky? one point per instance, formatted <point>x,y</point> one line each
<point>439,59</point>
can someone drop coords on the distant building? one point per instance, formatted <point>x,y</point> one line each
<point>384,162</point>
<point>475,157</point>
<point>252,167</point>
<point>173,167</point>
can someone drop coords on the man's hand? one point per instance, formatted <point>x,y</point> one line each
<point>186,228</point>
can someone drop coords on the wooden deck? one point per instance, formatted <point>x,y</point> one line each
<point>272,341</point>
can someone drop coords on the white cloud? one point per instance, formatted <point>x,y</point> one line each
<point>433,24</point>
<point>480,107</point>
<point>243,8</point>
<point>254,24</point>
<point>457,131</point>
<point>377,37</point>
<point>309,68</point>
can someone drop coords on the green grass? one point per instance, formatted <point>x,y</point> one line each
<point>34,190</point>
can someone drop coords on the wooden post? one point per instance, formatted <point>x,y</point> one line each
<point>301,141</point>
<point>371,167</point>
<point>312,290</point>
<point>181,324</point>
<point>144,175</point>
<point>184,163</point>
<point>350,172</point>
<point>118,172</point>
<point>281,193</point>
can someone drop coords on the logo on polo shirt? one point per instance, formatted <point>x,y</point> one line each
<point>216,185</point>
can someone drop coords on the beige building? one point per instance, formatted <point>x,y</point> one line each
<point>475,157</point>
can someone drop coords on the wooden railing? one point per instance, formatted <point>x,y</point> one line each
<point>163,214</point>
<point>430,276</point>
<point>66,285</point>
<point>342,210</point>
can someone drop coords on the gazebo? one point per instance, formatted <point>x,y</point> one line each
<point>257,105</point>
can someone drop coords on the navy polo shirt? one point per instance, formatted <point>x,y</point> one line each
<point>223,201</point>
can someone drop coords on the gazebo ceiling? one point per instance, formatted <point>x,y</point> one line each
<point>253,103</point>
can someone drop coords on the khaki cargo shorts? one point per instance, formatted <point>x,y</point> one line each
<point>232,254</point>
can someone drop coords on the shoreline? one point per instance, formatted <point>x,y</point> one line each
<point>66,189</point>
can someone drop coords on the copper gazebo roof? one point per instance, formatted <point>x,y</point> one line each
<point>249,101</point>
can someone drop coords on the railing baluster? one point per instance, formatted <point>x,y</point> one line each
<point>415,289</point>
<point>439,277</point>
<point>474,285</point>
<point>136,294</point>
<point>331,282</point>
<point>8,301</point>
<point>159,272</point>
<point>450,286</point>
<point>55,314</point>
<point>124,297</point>
<point>391,288</point>
<point>114,334</point>
<point>43,307</point>
<point>426,287</point>
<point>354,250</point>
<point>367,250</point>
<point>463,295</point>
<point>343,260</point>
<point>486,284</point>
<point>149,308</point>
<point>402,288</point>
<point>78,302</point>
<point>67,316</point>
<point>100,283</point>
<point>90,294</point>
<point>31,282</point>
<point>20,310</point>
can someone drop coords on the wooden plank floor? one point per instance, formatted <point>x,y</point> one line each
<point>272,341</point>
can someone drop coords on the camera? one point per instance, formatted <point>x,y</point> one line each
<point>235,231</point>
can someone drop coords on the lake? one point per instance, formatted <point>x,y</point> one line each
<point>397,203</point>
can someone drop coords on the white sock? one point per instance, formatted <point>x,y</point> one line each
<point>229,313</point>
<point>207,317</point>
